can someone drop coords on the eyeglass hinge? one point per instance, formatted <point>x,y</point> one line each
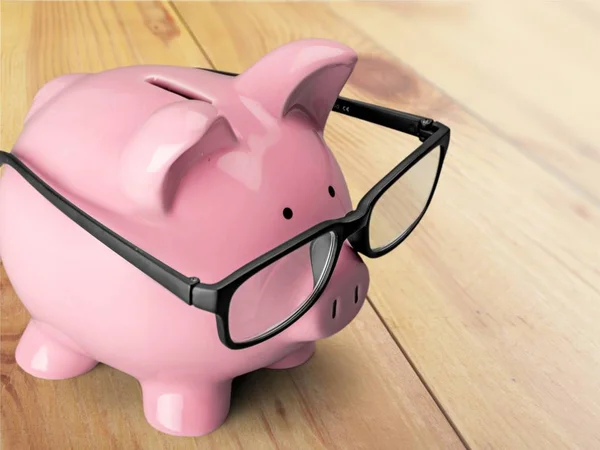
<point>425,129</point>
<point>202,298</point>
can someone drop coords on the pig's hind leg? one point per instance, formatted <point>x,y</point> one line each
<point>46,353</point>
<point>297,358</point>
<point>186,407</point>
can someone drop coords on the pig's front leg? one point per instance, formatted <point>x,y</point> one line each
<point>297,358</point>
<point>46,353</point>
<point>186,407</point>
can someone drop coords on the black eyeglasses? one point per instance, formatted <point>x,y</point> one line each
<point>383,218</point>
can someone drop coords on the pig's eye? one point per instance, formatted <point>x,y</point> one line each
<point>331,191</point>
<point>288,213</point>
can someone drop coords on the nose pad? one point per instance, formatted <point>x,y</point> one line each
<point>320,249</point>
<point>341,300</point>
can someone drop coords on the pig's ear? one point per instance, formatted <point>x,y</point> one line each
<point>167,145</point>
<point>50,90</point>
<point>306,75</point>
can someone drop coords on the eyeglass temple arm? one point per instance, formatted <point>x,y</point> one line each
<point>190,290</point>
<point>178,284</point>
<point>419,126</point>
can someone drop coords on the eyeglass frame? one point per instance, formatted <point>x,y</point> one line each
<point>216,297</point>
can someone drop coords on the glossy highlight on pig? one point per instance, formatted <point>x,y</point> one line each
<point>204,171</point>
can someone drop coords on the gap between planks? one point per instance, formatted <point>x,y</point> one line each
<point>420,376</point>
<point>417,372</point>
<point>482,120</point>
<point>191,34</point>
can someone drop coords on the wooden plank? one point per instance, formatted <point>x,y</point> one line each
<point>532,65</point>
<point>495,296</point>
<point>357,390</point>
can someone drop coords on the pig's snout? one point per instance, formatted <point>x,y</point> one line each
<point>340,302</point>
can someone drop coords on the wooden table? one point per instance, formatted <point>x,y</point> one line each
<point>481,331</point>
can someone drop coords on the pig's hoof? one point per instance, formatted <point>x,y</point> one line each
<point>299,357</point>
<point>185,409</point>
<point>43,356</point>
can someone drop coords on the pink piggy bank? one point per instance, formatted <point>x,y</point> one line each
<point>182,171</point>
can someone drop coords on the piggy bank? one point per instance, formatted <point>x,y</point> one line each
<point>205,172</point>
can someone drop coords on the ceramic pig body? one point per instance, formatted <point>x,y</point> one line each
<point>196,168</point>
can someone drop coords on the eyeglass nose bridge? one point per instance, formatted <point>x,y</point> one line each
<point>357,236</point>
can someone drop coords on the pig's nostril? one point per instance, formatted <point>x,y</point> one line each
<point>334,309</point>
<point>356,294</point>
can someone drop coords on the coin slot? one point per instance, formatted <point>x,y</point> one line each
<point>175,88</point>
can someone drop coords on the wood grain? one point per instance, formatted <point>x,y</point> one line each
<point>357,389</point>
<point>532,65</point>
<point>496,297</point>
<point>356,392</point>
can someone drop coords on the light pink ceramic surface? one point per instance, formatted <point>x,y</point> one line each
<point>200,184</point>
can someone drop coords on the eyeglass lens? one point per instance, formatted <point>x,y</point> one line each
<point>403,202</point>
<point>272,295</point>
